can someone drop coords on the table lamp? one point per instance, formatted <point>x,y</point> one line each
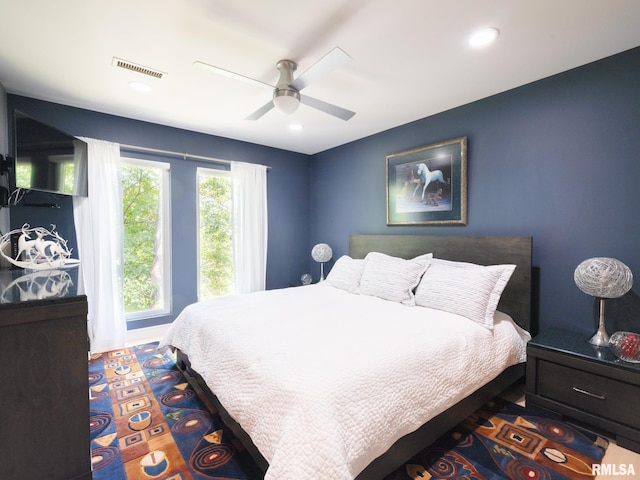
<point>603,277</point>
<point>321,253</point>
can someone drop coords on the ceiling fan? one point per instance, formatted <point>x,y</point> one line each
<point>286,93</point>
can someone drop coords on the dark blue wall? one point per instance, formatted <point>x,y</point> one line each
<point>558,160</point>
<point>287,190</point>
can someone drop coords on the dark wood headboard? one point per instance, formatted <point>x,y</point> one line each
<point>516,298</point>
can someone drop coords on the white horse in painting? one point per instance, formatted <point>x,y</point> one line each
<point>426,177</point>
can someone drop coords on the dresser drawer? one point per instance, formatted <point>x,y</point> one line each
<point>595,394</point>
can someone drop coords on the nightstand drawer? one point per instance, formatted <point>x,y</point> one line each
<point>601,396</point>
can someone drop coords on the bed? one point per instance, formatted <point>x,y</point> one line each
<point>338,411</point>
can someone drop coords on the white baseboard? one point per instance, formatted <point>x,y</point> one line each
<point>146,335</point>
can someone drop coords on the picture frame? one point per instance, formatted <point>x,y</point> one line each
<point>428,185</point>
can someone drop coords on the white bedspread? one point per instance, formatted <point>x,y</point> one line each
<point>324,381</point>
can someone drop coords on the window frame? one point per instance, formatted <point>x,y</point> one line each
<point>165,219</point>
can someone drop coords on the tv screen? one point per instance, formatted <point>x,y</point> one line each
<point>47,159</point>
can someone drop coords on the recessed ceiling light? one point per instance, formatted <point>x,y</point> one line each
<point>483,37</point>
<point>140,87</point>
<point>295,126</point>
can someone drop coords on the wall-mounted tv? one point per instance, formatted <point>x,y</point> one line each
<point>47,159</point>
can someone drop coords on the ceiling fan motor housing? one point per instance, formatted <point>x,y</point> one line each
<point>286,97</point>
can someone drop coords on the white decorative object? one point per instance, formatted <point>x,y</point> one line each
<point>321,253</point>
<point>38,248</point>
<point>603,277</point>
<point>37,285</point>
<point>306,279</point>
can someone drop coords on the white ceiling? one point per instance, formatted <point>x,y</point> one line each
<point>410,58</point>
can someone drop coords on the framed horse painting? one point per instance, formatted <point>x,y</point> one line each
<point>428,185</point>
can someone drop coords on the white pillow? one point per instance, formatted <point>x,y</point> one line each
<point>463,288</point>
<point>392,278</point>
<point>346,273</point>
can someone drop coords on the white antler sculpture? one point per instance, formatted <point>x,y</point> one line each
<point>47,250</point>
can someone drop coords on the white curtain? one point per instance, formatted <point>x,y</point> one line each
<point>249,187</point>
<point>99,231</point>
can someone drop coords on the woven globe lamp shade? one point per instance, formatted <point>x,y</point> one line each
<point>321,253</point>
<point>603,277</point>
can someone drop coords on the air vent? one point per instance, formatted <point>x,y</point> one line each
<point>118,62</point>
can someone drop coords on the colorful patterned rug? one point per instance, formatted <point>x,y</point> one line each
<point>504,441</point>
<point>147,422</point>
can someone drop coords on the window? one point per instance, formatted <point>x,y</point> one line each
<point>145,204</point>
<point>215,249</point>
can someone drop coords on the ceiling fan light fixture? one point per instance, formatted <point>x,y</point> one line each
<point>286,100</point>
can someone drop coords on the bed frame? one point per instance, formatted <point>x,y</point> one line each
<point>515,300</point>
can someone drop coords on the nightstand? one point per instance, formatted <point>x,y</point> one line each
<point>569,376</point>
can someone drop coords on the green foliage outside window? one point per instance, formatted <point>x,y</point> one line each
<point>143,249</point>
<point>141,208</point>
<point>216,254</point>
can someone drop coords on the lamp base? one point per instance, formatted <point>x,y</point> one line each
<point>600,338</point>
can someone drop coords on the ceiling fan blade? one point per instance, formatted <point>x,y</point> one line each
<point>229,74</point>
<point>261,111</point>
<point>341,113</point>
<point>336,58</point>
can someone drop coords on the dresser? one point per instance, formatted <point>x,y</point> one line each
<point>569,376</point>
<point>44,404</point>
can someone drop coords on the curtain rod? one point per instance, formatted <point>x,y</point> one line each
<point>176,154</point>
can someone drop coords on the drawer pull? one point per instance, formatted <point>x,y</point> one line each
<point>589,394</point>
